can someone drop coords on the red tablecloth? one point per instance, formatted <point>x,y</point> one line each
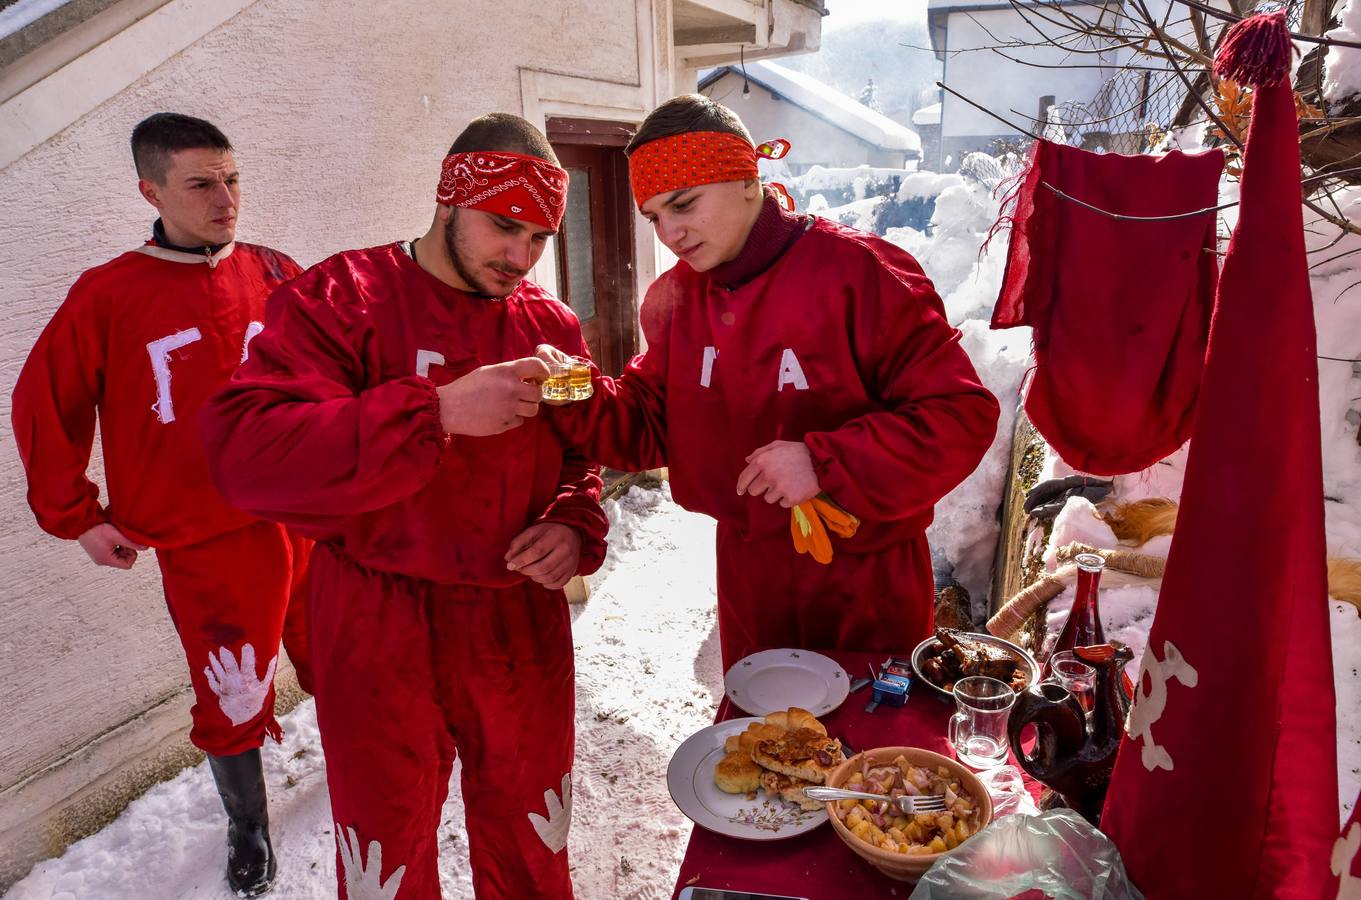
<point>817,864</point>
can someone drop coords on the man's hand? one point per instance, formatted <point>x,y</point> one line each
<point>548,353</point>
<point>108,546</point>
<point>782,472</point>
<point>492,399</point>
<point>549,553</point>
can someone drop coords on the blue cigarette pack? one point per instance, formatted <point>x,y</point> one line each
<point>891,690</point>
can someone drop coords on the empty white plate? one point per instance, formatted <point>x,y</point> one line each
<point>773,680</point>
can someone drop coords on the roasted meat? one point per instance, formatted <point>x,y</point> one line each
<point>960,657</point>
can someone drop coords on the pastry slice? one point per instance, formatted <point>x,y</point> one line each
<point>804,754</point>
<point>737,773</point>
<point>788,789</point>
<point>793,719</point>
<point>745,742</point>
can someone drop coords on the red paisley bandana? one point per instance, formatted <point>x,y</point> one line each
<point>687,160</point>
<point>508,184</point>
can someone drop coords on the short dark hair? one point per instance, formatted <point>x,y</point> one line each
<point>504,132</point>
<point>159,135</point>
<point>684,114</point>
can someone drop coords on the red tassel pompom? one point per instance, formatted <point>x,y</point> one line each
<point>1256,52</point>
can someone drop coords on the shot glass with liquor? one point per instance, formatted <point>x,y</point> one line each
<point>579,379</point>
<point>558,386</point>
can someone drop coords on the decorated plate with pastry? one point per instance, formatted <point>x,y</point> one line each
<point>778,679</point>
<point>744,778</point>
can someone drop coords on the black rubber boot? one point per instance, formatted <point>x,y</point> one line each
<point>250,856</point>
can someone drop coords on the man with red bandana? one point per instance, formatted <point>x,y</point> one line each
<point>787,356</point>
<point>388,410</point>
<point>138,344</point>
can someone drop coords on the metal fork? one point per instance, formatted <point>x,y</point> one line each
<point>908,805</point>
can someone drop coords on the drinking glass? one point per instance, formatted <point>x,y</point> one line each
<point>1078,677</point>
<point>978,730</point>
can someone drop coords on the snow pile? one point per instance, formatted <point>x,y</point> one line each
<point>1337,316</point>
<point>1342,65</point>
<point>963,537</point>
<point>920,185</point>
<point>857,214</point>
<point>647,677</point>
<point>822,178</point>
<point>966,207</point>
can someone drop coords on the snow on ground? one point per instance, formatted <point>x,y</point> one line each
<point>963,536</point>
<point>647,677</point>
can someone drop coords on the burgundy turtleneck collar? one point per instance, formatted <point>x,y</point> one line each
<point>773,234</point>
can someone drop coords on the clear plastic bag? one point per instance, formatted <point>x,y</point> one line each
<point>1009,795</point>
<point>1057,852</point>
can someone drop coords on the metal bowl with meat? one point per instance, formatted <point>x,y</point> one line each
<point>941,660</point>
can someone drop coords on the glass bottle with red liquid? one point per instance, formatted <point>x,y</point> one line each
<point>1083,628</point>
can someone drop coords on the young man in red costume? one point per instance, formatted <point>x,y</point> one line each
<point>787,356</point>
<point>138,344</point>
<point>389,411</point>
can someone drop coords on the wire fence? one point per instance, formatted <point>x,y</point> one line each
<point>1129,114</point>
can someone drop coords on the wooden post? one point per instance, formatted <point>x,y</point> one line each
<point>1314,17</point>
<point>1026,448</point>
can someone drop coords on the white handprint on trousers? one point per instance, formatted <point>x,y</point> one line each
<point>240,693</point>
<point>364,882</point>
<point>553,830</point>
<point>1344,854</point>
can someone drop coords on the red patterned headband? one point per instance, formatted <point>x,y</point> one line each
<point>699,157</point>
<point>508,184</point>
<point>686,160</point>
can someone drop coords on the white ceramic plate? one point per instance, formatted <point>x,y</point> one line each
<point>773,680</point>
<point>690,778</point>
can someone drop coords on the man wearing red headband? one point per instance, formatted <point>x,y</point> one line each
<point>388,410</point>
<point>138,344</point>
<point>787,356</point>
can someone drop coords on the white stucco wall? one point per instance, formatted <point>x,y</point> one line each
<point>815,140</point>
<point>341,113</point>
<point>1001,85</point>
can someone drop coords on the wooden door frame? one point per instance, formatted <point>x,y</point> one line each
<point>615,258</point>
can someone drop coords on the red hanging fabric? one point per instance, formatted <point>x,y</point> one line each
<point>1235,712</point>
<point>1120,309</point>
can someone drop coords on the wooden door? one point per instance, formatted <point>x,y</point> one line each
<point>595,240</point>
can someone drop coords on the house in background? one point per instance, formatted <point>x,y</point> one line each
<point>926,122</point>
<point>1085,99</point>
<point>824,126</point>
<point>341,113</point>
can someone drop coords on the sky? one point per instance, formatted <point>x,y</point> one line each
<point>851,12</point>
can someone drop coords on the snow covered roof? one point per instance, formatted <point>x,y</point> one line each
<point>20,15</point>
<point>828,103</point>
<point>927,115</point>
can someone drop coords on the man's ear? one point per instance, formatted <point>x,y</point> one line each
<point>751,188</point>
<point>151,191</point>
<point>442,212</point>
